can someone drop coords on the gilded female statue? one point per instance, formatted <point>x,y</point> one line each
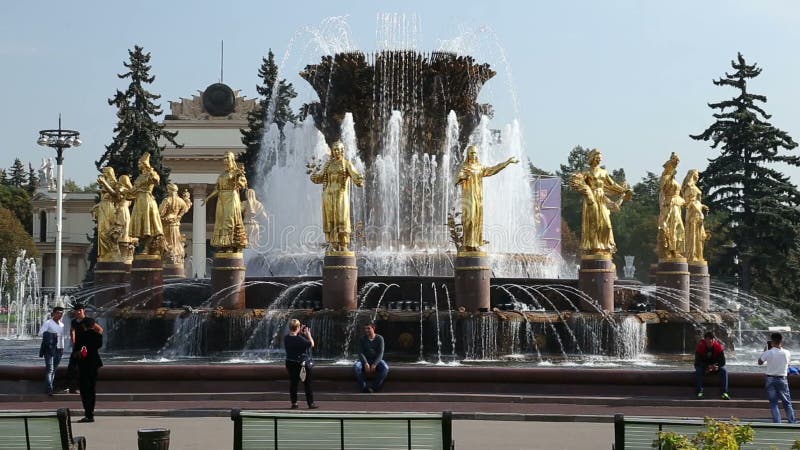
<point>671,233</point>
<point>597,235</point>
<point>335,178</point>
<point>470,178</point>
<point>124,187</point>
<point>229,232</point>
<point>145,218</point>
<point>254,212</point>
<point>172,210</point>
<point>695,230</point>
<point>105,212</point>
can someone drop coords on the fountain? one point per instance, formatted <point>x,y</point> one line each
<point>404,118</point>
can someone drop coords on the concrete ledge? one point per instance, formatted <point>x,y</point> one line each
<point>250,380</point>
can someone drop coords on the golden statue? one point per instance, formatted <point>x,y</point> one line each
<point>470,177</point>
<point>671,233</point>
<point>145,219</point>
<point>109,229</point>
<point>172,210</point>
<point>229,232</point>
<point>127,244</point>
<point>696,235</point>
<point>335,178</point>
<point>597,235</point>
<point>254,212</point>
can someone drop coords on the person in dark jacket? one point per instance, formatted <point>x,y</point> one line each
<point>88,342</point>
<point>709,358</point>
<point>298,344</point>
<point>370,362</point>
<point>78,316</point>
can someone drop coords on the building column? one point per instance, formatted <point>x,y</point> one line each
<point>198,230</point>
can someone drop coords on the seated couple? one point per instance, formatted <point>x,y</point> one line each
<point>370,364</point>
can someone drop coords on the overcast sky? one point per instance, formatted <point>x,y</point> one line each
<point>630,77</point>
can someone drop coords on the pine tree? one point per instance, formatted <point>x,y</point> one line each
<point>19,176</point>
<point>137,132</point>
<point>4,177</point>
<point>278,112</point>
<point>33,180</point>
<point>755,204</point>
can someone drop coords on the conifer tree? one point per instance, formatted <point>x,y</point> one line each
<point>267,111</point>
<point>756,204</point>
<point>33,180</point>
<point>19,176</point>
<point>137,131</point>
<point>4,177</point>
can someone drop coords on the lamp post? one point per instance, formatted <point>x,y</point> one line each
<point>60,140</point>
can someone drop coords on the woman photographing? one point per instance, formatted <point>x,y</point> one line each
<point>298,344</point>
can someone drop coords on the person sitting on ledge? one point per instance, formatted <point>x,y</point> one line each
<point>709,357</point>
<point>370,362</point>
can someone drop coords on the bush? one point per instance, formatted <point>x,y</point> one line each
<point>717,436</point>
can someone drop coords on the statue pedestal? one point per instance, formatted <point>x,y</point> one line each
<point>596,279</point>
<point>174,270</point>
<point>700,285</point>
<point>673,274</point>
<point>147,282</point>
<point>472,277</point>
<point>227,278</point>
<point>339,281</point>
<point>112,279</point>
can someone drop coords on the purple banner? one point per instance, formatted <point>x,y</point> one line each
<point>547,212</point>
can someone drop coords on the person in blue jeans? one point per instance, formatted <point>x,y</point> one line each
<point>777,359</point>
<point>709,358</point>
<point>52,348</point>
<point>370,362</point>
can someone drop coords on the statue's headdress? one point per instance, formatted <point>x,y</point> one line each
<point>673,161</point>
<point>145,159</point>
<point>593,153</point>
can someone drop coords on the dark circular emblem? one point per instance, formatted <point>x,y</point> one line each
<point>219,100</point>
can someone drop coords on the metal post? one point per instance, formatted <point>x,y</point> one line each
<point>59,220</point>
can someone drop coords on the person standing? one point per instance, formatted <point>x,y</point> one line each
<point>709,358</point>
<point>52,333</point>
<point>88,342</point>
<point>79,315</point>
<point>370,362</point>
<point>298,344</point>
<point>777,359</point>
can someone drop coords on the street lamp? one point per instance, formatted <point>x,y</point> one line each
<point>59,139</point>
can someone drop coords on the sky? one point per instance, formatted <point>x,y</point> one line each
<point>632,78</point>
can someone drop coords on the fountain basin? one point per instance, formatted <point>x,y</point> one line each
<point>255,379</point>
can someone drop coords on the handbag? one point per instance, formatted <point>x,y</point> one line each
<point>306,364</point>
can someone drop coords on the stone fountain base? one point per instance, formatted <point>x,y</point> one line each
<point>257,333</point>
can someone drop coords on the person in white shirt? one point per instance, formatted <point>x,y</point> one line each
<point>777,360</point>
<point>52,333</point>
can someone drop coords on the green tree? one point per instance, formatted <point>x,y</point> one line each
<point>19,176</point>
<point>13,237</point>
<point>33,180</point>
<point>274,107</point>
<point>19,202</point>
<point>137,131</point>
<point>71,186</point>
<point>756,205</point>
<point>4,177</point>
<point>636,226</point>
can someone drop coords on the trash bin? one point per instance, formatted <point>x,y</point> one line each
<point>153,438</point>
